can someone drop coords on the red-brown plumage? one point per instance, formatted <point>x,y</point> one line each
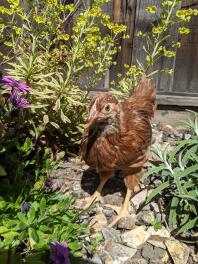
<point>117,143</point>
<point>118,136</point>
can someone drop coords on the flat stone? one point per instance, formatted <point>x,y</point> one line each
<point>127,222</point>
<point>96,259</point>
<point>179,252</point>
<point>98,222</point>
<point>115,253</point>
<point>139,198</point>
<point>161,233</point>
<point>136,261</point>
<point>113,199</point>
<point>147,251</point>
<point>111,233</point>
<point>145,218</point>
<point>157,243</point>
<point>136,237</point>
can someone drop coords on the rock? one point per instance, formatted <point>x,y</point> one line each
<point>127,222</point>
<point>113,199</point>
<point>167,129</point>
<point>139,198</point>
<point>187,136</point>
<point>115,253</point>
<point>159,253</point>
<point>136,237</point>
<point>147,251</point>
<point>109,212</point>
<point>152,254</point>
<point>96,259</point>
<point>136,261</point>
<point>157,243</point>
<point>111,233</point>
<point>145,218</point>
<point>155,207</point>
<point>160,233</point>
<point>179,252</point>
<point>98,222</point>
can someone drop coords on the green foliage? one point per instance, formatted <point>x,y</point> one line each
<point>157,225</point>
<point>179,170</point>
<point>50,217</point>
<point>57,64</point>
<point>156,43</point>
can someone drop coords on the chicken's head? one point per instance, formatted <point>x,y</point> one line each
<point>103,109</point>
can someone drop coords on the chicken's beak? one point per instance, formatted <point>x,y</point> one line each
<point>91,121</point>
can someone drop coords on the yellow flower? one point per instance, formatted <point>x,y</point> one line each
<point>151,9</point>
<point>39,19</point>
<point>184,30</point>
<point>157,30</point>
<point>8,43</point>
<point>176,45</point>
<point>17,30</point>
<point>169,53</point>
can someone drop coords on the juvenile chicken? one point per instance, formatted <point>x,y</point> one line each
<point>117,137</point>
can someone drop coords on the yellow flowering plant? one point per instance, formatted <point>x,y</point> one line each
<point>156,43</point>
<point>59,61</point>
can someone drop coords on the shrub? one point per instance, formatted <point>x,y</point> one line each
<point>155,44</point>
<point>55,63</point>
<point>178,171</point>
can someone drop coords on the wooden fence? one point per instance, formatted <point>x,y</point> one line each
<point>182,87</point>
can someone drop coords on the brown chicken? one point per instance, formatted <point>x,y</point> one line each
<point>117,137</point>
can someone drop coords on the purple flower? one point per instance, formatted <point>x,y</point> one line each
<point>21,86</point>
<point>17,101</point>
<point>25,207</point>
<point>60,253</point>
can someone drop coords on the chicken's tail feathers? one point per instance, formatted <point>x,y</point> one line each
<point>144,97</point>
<point>145,88</point>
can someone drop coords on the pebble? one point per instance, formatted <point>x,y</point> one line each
<point>179,252</point>
<point>139,198</point>
<point>136,237</point>
<point>145,218</point>
<point>115,253</point>
<point>98,222</point>
<point>111,233</point>
<point>127,222</point>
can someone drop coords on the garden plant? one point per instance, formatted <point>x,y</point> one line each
<point>53,55</point>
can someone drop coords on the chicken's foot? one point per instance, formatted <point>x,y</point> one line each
<point>124,209</point>
<point>96,196</point>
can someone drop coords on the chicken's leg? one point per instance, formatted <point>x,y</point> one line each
<point>131,180</point>
<point>96,196</point>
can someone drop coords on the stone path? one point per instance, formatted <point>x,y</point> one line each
<point>134,240</point>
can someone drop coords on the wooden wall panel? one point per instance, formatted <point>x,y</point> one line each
<point>186,67</point>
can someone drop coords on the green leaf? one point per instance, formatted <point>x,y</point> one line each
<point>60,155</point>
<point>152,171</point>
<point>157,190</point>
<point>74,246</point>
<point>2,171</point>
<point>33,234</point>
<point>55,125</point>
<point>189,225</point>
<point>172,213</point>
<point>31,215</point>
<point>46,119</point>
<point>22,218</point>
<point>42,205</point>
<point>3,229</point>
<point>57,105</point>
<point>189,170</point>
<point>64,118</point>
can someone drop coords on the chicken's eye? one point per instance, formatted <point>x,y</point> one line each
<point>107,108</point>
